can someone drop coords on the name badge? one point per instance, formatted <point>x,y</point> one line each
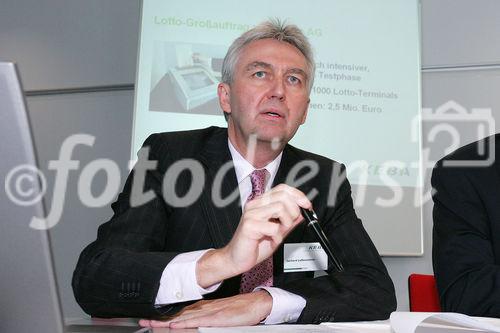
<point>304,257</point>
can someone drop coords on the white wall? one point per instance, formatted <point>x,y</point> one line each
<point>60,44</point>
<point>65,44</point>
<point>454,33</point>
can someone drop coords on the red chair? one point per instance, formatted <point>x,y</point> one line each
<point>423,293</point>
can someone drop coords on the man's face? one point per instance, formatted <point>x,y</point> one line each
<point>268,96</point>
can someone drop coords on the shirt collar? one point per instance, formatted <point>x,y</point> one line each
<point>243,168</point>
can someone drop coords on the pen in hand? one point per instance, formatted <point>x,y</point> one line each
<point>312,221</point>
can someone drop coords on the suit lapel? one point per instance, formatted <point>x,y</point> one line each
<point>222,221</point>
<point>288,160</point>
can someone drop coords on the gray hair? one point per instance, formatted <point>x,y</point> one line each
<point>274,29</point>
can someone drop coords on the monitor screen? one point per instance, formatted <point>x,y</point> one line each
<point>197,80</point>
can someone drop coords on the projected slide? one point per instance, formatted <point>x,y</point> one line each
<point>365,102</point>
<point>184,77</point>
<point>366,91</point>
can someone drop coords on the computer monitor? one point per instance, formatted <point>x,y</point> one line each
<point>29,298</point>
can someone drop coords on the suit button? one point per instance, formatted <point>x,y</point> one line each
<point>178,295</point>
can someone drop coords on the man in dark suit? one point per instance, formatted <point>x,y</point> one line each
<point>226,243</point>
<point>466,236</point>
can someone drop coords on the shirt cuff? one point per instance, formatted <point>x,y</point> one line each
<point>286,308</point>
<point>178,281</point>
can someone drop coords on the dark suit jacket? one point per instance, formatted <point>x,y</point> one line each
<point>119,273</point>
<point>466,237</point>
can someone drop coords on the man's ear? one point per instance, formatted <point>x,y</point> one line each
<point>304,117</point>
<point>223,91</point>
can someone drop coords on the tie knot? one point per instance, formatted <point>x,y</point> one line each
<point>258,180</point>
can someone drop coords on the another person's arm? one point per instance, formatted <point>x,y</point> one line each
<point>467,273</point>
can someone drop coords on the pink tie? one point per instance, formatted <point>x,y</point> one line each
<point>261,274</point>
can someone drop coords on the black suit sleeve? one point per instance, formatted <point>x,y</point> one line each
<point>467,274</point>
<point>119,273</point>
<point>364,291</point>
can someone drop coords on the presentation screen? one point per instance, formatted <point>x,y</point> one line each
<point>365,103</point>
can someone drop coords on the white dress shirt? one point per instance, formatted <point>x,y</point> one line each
<point>178,281</point>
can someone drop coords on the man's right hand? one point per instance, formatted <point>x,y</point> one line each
<point>265,222</point>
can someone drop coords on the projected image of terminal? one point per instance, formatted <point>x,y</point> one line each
<point>193,86</point>
<point>197,80</point>
<point>184,78</point>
